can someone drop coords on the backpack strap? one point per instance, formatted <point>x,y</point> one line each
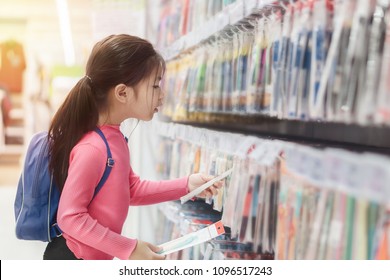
<point>55,230</point>
<point>109,165</point>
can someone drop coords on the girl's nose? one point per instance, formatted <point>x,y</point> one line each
<point>162,94</point>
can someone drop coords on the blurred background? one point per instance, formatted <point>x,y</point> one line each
<point>44,45</point>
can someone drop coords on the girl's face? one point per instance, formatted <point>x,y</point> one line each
<point>148,97</point>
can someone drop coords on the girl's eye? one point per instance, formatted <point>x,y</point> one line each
<point>156,87</point>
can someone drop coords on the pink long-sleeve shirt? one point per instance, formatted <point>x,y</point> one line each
<point>92,226</point>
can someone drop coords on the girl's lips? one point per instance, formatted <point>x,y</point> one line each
<point>158,108</point>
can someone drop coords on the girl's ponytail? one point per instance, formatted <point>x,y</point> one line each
<point>77,115</point>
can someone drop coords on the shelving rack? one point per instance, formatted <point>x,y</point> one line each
<point>322,134</point>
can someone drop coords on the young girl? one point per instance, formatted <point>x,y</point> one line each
<point>122,80</point>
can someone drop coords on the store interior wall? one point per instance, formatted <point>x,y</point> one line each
<point>36,25</point>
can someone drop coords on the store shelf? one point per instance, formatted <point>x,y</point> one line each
<point>318,133</point>
<point>301,171</point>
<point>232,15</point>
<point>348,136</point>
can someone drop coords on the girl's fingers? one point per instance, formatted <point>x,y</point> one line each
<point>159,257</point>
<point>213,190</point>
<point>206,178</point>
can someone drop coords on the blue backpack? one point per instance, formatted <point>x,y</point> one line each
<point>37,196</point>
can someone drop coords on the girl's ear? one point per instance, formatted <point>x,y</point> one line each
<point>123,92</point>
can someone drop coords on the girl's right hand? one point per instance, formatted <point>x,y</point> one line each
<point>146,251</point>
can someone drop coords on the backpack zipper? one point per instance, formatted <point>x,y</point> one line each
<point>38,168</point>
<point>48,209</point>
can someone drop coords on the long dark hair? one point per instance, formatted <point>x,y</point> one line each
<point>114,60</point>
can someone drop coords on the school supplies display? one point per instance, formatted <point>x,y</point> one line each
<point>301,61</point>
<point>284,200</point>
<point>332,205</point>
<point>248,197</point>
<point>178,18</point>
<point>37,196</point>
<point>287,59</point>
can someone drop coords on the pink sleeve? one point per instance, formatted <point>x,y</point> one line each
<point>85,170</point>
<point>143,192</point>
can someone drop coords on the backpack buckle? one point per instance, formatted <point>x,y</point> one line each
<point>57,230</point>
<point>110,162</point>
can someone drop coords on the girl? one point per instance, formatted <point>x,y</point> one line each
<point>122,80</point>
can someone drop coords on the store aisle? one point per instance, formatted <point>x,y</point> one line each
<point>10,247</point>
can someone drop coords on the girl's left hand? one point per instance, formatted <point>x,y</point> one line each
<point>198,179</point>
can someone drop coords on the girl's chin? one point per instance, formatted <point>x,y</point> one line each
<point>149,118</point>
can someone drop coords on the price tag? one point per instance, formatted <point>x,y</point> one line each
<point>333,169</point>
<point>377,172</point>
<point>316,167</point>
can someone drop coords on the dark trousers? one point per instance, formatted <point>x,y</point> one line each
<point>58,250</point>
